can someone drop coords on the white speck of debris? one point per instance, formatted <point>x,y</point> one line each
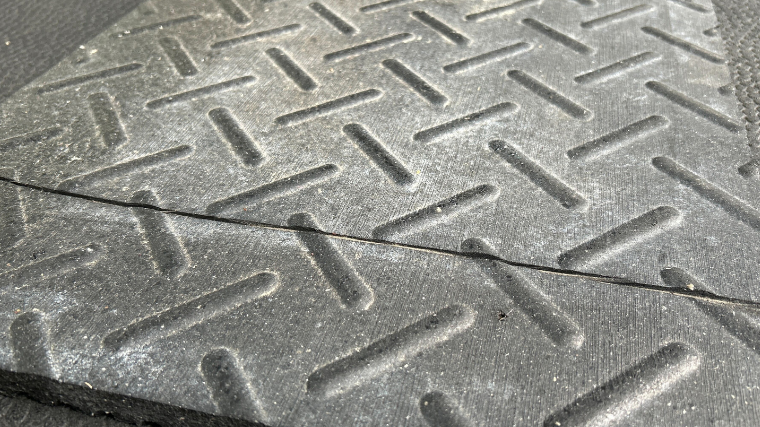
<point>88,385</point>
<point>7,42</point>
<point>690,287</point>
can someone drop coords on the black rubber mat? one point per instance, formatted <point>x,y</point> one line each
<point>37,34</point>
<point>536,212</point>
<point>584,137</point>
<point>299,328</point>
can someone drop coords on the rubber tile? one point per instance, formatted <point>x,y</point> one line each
<point>290,326</point>
<point>576,135</point>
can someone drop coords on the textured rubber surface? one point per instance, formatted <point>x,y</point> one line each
<point>299,328</point>
<point>22,412</point>
<point>37,34</point>
<point>581,136</point>
<point>594,137</point>
<point>740,30</point>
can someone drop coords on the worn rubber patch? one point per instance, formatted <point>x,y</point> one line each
<point>295,327</point>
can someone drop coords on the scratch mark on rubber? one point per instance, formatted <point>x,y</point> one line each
<point>615,17</point>
<point>633,232</point>
<point>230,390</point>
<point>168,254</point>
<point>439,410</point>
<point>256,36</point>
<point>487,58</point>
<point>695,106</point>
<point>241,144</point>
<point>683,45</point>
<point>275,189</point>
<point>550,95</point>
<point>617,139</point>
<point>234,11</point>
<point>78,80</point>
<point>368,47</point>
<point>709,192</point>
<point>177,55</point>
<point>389,351</point>
<point>617,69</point>
<point>107,120</point>
<point>441,28</point>
<point>124,168</point>
<point>50,267</point>
<point>553,186</point>
<point>630,390</point>
<point>157,26</point>
<point>538,308</point>
<point>739,323</point>
<point>384,5</point>
<point>380,155</point>
<point>332,18</point>
<point>467,121</point>
<point>353,292</point>
<point>415,82</point>
<point>202,91</point>
<point>558,37</point>
<point>329,107</point>
<point>35,137</point>
<point>190,313</point>
<point>495,12</point>
<point>29,339</point>
<point>438,212</point>
<point>291,69</point>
